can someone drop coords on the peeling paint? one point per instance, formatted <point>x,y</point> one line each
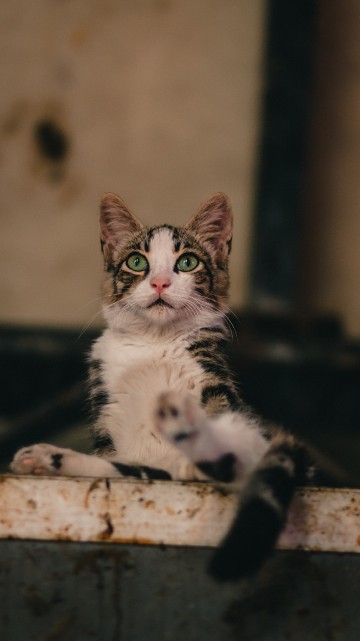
<point>171,513</point>
<point>107,533</point>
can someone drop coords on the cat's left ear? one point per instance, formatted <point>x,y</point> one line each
<point>213,225</point>
<point>117,225</point>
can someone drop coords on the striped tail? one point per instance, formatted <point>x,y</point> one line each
<point>262,511</point>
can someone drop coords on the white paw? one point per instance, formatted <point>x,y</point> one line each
<point>40,459</point>
<point>177,417</point>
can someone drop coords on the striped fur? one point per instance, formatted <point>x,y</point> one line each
<point>262,511</point>
<point>164,401</point>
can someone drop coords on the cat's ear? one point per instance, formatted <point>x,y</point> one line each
<point>117,225</point>
<point>213,224</point>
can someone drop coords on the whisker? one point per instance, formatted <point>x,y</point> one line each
<point>90,322</point>
<point>87,325</point>
<point>90,302</point>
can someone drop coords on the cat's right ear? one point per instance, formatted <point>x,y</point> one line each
<point>212,224</point>
<point>117,225</point>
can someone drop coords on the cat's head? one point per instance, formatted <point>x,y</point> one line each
<point>165,274</point>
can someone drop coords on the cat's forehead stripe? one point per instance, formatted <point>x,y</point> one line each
<point>161,240</point>
<point>164,235</point>
<point>144,241</point>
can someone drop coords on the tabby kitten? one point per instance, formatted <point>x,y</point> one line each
<point>164,401</point>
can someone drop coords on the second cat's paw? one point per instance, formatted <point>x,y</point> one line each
<point>40,459</point>
<point>177,417</point>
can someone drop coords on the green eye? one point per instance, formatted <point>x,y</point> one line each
<point>187,262</point>
<point>137,262</point>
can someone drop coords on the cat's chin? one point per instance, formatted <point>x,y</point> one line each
<point>158,317</point>
<point>160,304</point>
<point>161,314</point>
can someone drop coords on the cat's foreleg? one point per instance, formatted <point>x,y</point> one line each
<point>230,447</point>
<point>226,447</point>
<point>44,459</point>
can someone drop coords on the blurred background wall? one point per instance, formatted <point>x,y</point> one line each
<point>157,100</point>
<point>331,233</point>
<point>160,101</point>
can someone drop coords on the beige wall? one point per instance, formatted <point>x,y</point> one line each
<point>332,231</point>
<point>160,102</point>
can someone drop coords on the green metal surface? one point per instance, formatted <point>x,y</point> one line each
<point>67,591</point>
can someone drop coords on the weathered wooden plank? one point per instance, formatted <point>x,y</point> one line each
<point>188,514</point>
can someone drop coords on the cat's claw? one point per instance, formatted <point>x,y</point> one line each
<point>41,459</point>
<point>177,417</point>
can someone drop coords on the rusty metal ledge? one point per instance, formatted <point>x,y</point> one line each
<point>169,513</point>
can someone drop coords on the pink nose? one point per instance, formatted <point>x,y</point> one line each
<point>159,284</point>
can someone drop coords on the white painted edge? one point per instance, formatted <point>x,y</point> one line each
<point>164,512</point>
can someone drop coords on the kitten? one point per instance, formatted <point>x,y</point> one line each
<point>164,401</point>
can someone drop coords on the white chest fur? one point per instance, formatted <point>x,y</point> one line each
<point>136,370</point>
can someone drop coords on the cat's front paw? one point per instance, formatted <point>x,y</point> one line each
<point>177,417</point>
<point>40,459</point>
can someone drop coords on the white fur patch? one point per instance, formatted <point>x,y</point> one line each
<point>136,372</point>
